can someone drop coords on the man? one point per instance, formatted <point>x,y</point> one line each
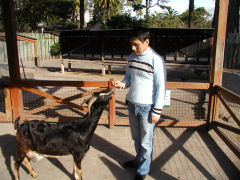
<point>146,77</point>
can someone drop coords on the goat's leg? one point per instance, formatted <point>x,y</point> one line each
<point>77,170</point>
<point>18,162</point>
<point>29,167</point>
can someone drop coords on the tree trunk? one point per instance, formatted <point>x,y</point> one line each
<point>191,13</point>
<point>147,12</point>
<point>108,11</point>
<point>82,12</point>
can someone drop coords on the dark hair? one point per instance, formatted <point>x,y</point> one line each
<point>140,33</point>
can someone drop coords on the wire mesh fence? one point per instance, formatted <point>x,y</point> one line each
<point>229,125</point>
<point>36,106</point>
<point>185,105</point>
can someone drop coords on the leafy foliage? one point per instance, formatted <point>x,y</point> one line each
<point>54,13</point>
<point>123,21</point>
<point>201,18</point>
<point>55,49</point>
<point>64,14</point>
<point>169,18</point>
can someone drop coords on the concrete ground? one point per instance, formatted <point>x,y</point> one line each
<point>179,153</point>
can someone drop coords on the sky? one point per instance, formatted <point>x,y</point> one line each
<point>182,5</point>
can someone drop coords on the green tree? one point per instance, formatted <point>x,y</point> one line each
<point>99,11</point>
<point>123,21</point>
<point>201,18</point>
<point>107,5</point>
<point>55,13</point>
<point>139,5</point>
<point>169,18</point>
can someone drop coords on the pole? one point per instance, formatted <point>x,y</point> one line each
<point>221,12</point>
<point>13,59</point>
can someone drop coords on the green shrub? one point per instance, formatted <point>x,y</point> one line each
<point>55,49</point>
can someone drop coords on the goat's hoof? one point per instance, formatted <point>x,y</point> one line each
<point>34,175</point>
<point>77,177</point>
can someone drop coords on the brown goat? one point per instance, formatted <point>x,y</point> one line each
<point>60,138</point>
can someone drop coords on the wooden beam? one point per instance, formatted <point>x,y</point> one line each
<point>187,85</point>
<point>169,123</point>
<point>57,99</point>
<point>11,39</point>
<point>13,59</point>
<point>235,98</point>
<point>8,108</point>
<point>235,118</point>
<point>112,108</point>
<point>31,83</point>
<point>219,41</point>
<point>35,54</point>
<point>71,98</point>
<point>16,102</point>
<point>221,13</point>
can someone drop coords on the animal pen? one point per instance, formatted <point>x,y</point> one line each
<point>192,104</point>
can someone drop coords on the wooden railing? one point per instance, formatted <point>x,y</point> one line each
<point>223,127</point>
<point>28,86</point>
<point>222,92</point>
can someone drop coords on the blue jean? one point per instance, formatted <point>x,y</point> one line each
<point>142,133</point>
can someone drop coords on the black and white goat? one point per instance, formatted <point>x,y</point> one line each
<point>60,138</point>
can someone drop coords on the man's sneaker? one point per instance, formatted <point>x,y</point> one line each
<point>139,177</point>
<point>130,164</point>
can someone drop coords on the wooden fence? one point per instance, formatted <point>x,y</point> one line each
<point>36,107</point>
<point>191,46</point>
<point>232,52</point>
<point>46,40</point>
<point>26,49</point>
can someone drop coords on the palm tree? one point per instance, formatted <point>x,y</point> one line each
<point>107,4</point>
<point>191,12</point>
<point>171,18</point>
<point>82,12</point>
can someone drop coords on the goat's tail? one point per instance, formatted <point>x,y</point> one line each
<point>16,123</point>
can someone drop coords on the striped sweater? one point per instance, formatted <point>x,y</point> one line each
<point>146,77</point>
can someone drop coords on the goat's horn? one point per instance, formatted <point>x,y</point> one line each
<point>85,100</point>
<point>91,101</point>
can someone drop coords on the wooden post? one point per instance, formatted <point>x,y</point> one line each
<point>8,108</point>
<point>103,69</point>
<point>35,53</point>
<point>221,9</point>
<point>17,103</point>
<point>13,59</point>
<point>102,56</point>
<point>11,39</point>
<point>62,66</point>
<point>111,117</point>
<point>69,66</point>
<point>109,69</point>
